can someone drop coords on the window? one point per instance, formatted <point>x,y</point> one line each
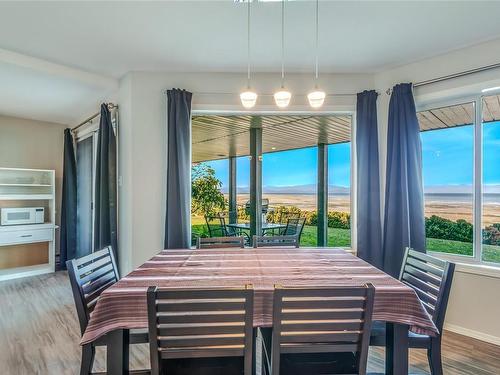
<point>491,179</point>
<point>448,170</point>
<point>289,183</point>
<point>339,200</point>
<point>462,179</point>
<point>290,155</point>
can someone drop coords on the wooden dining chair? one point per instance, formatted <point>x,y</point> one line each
<point>200,331</point>
<point>283,241</point>
<point>431,279</point>
<point>321,330</point>
<point>89,277</point>
<point>219,242</point>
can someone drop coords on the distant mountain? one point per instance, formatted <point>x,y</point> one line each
<point>340,190</point>
<point>294,189</point>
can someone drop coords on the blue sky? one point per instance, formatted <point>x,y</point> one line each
<point>448,155</point>
<point>291,168</point>
<point>447,159</point>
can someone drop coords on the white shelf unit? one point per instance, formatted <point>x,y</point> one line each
<point>24,186</point>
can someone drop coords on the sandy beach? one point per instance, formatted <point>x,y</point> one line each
<point>446,208</point>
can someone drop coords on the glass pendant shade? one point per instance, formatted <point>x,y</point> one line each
<point>282,98</point>
<point>248,99</point>
<point>316,98</point>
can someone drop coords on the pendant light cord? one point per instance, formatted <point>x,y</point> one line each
<point>248,43</point>
<point>317,39</point>
<point>282,43</point>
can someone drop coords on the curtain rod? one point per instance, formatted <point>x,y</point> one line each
<point>270,95</point>
<point>111,106</point>
<point>452,76</point>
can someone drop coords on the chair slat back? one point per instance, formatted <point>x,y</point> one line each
<point>89,277</point>
<point>294,226</point>
<point>322,320</point>
<point>200,323</point>
<point>283,241</point>
<point>431,279</point>
<point>216,225</point>
<point>220,242</point>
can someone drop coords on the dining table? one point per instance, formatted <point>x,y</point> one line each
<point>123,307</point>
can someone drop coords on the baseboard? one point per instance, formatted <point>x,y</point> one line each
<point>474,334</point>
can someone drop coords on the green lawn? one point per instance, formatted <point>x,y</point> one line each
<point>491,253</point>
<point>336,237</point>
<point>342,238</point>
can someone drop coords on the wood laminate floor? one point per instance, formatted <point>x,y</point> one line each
<point>39,334</point>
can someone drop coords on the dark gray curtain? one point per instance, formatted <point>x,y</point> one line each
<point>177,221</point>
<point>68,205</point>
<point>404,222</point>
<point>369,226</point>
<point>105,219</point>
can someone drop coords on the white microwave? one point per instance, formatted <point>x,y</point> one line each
<point>22,215</point>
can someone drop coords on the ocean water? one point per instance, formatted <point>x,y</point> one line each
<point>460,197</point>
<point>493,198</point>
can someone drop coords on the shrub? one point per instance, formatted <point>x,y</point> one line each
<point>438,227</point>
<point>339,220</point>
<point>491,235</point>
<point>335,219</point>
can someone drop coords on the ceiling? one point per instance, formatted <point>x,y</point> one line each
<point>58,60</point>
<point>112,38</point>
<point>458,115</point>
<point>34,89</point>
<point>218,137</point>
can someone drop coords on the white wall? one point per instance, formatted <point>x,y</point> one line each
<point>33,144</point>
<point>143,138</point>
<point>474,304</point>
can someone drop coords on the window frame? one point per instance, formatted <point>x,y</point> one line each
<point>476,260</point>
<point>330,112</point>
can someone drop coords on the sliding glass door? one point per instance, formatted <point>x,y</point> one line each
<point>85,159</point>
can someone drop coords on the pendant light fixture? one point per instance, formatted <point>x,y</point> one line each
<point>248,97</point>
<point>283,96</point>
<point>316,97</point>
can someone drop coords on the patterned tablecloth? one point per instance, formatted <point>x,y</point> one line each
<point>123,305</point>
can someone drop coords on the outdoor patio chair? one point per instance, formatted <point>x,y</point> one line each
<point>431,279</point>
<point>294,226</point>
<point>217,227</point>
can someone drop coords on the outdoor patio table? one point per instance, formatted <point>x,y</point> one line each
<point>123,306</point>
<point>265,226</point>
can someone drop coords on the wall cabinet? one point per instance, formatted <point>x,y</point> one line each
<point>27,249</point>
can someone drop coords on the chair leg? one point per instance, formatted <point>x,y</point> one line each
<point>434,356</point>
<point>88,354</point>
